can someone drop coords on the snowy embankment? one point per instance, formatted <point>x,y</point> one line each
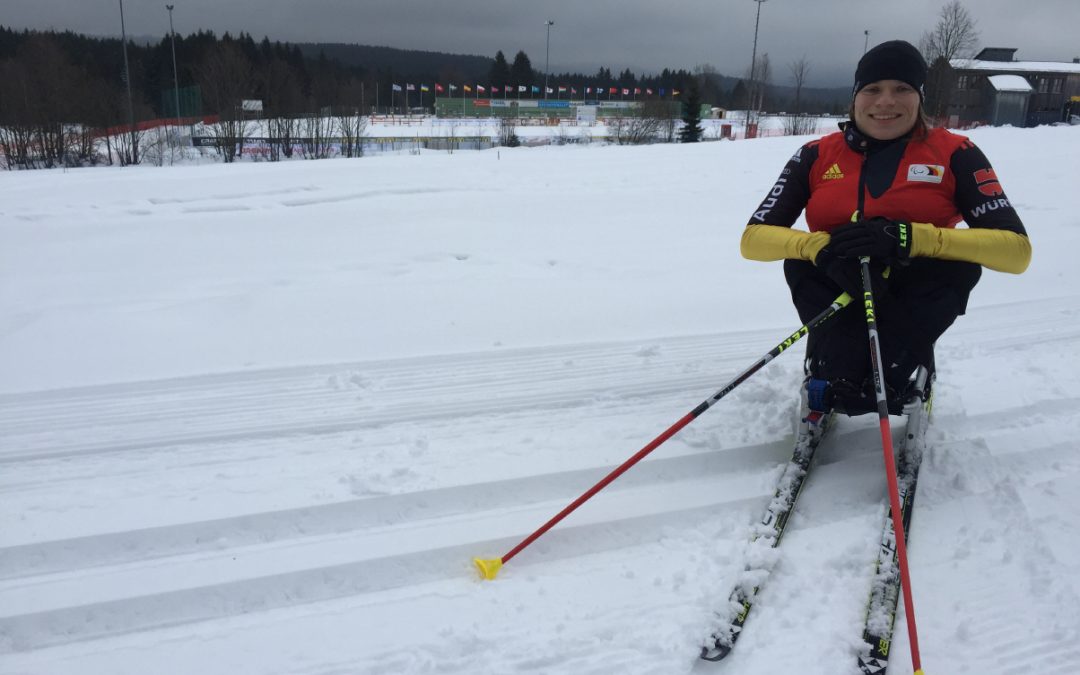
<point>259,418</point>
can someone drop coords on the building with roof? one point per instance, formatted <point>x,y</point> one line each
<point>994,88</point>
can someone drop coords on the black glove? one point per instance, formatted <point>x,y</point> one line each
<point>847,273</point>
<point>880,238</point>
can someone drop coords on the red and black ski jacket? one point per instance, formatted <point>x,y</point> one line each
<point>933,182</point>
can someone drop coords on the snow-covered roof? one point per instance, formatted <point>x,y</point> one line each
<point>1017,66</point>
<point>1009,83</point>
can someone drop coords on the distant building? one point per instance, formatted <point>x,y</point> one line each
<point>995,89</point>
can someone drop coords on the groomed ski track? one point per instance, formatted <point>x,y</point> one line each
<point>322,519</point>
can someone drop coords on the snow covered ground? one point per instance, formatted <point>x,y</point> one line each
<point>259,418</point>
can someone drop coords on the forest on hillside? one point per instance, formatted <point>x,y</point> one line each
<point>62,91</point>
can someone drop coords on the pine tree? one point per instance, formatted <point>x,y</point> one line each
<point>521,71</point>
<point>499,75</point>
<point>691,116</point>
<point>740,96</point>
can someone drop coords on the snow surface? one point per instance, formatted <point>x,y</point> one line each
<point>1009,83</point>
<point>259,418</point>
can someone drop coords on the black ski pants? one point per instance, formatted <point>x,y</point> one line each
<point>921,301</point>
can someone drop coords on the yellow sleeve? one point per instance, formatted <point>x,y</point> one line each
<point>999,250</point>
<point>772,242</point>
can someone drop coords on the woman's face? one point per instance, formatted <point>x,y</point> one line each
<point>886,109</point>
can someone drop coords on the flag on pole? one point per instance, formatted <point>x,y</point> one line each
<point>674,92</point>
<point>424,87</point>
<point>453,87</point>
<point>439,88</point>
<point>535,89</point>
<point>521,88</point>
<point>625,91</point>
<point>573,90</point>
<point>397,87</point>
<point>468,88</point>
<point>480,89</point>
<point>612,90</point>
<point>637,91</point>
<point>562,90</point>
<point>661,91</point>
<point>648,91</point>
<point>588,90</point>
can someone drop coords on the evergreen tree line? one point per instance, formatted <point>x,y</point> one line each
<point>713,88</point>
<point>59,91</point>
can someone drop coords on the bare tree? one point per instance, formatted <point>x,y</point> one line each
<point>799,70</point>
<point>128,145</point>
<point>709,81</point>
<point>759,80</point>
<point>763,79</point>
<point>281,88</point>
<point>508,133</point>
<point>797,124</point>
<point>158,148</point>
<point>39,89</point>
<point>954,36</point>
<point>646,125</point>
<point>666,115</point>
<point>351,122</point>
<point>16,116</point>
<point>316,129</point>
<point>227,77</point>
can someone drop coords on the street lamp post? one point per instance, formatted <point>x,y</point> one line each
<point>547,55</point>
<point>753,58</point>
<point>127,78</point>
<point>176,79</point>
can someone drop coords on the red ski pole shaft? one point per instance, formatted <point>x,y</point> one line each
<point>490,567</point>
<point>890,466</point>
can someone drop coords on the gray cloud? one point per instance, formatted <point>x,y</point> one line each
<point>588,34</point>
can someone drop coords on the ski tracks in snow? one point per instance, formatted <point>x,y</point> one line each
<point>318,513</point>
<point>172,505</point>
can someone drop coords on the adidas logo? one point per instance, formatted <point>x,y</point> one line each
<point>833,173</point>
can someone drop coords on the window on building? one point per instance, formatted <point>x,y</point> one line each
<point>1043,85</point>
<point>1055,85</point>
<point>963,82</point>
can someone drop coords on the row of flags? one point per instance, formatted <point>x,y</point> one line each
<point>523,89</point>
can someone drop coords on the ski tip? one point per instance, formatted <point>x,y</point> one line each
<point>488,568</point>
<point>919,672</point>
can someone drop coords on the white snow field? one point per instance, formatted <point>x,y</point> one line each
<point>259,418</point>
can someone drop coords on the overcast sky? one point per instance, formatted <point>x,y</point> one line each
<point>643,35</point>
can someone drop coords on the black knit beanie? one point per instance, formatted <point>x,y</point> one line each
<point>893,60</point>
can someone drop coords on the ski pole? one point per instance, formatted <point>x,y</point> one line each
<point>490,567</point>
<point>890,464</point>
